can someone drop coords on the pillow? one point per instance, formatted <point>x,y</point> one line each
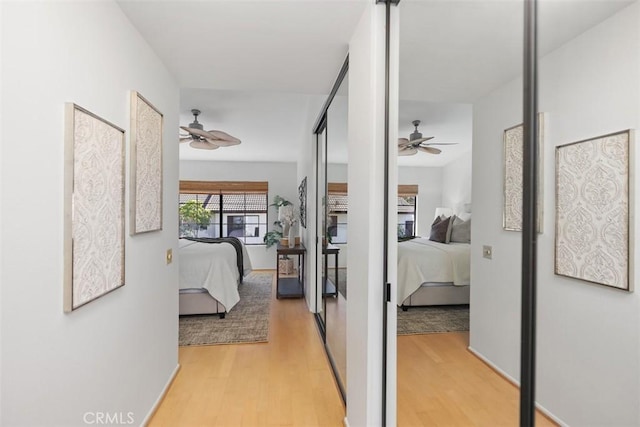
<point>440,230</point>
<point>460,231</point>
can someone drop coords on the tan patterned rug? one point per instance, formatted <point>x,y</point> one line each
<point>247,322</point>
<point>433,320</point>
<point>421,320</point>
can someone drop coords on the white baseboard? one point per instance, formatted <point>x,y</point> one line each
<point>158,401</point>
<point>346,422</point>
<point>517,384</point>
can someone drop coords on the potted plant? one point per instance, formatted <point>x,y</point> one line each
<point>193,216</point>
<point>279,231</point>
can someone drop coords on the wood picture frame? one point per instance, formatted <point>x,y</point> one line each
<point>94,203</point>
<point>145,193</point>
<point>594,210</point>
<point>513,144</point>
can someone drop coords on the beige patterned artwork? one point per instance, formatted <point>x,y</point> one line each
<point>513,155</point>
<point>94,207</point>
<point>146,166</point>
<point>593,210</point>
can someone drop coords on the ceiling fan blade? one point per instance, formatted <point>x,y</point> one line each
<point>403,142</point>
<point>441,143</point>
<point>198,132</point>
<point>186,138</point>
<point>203,145</point>
<point>219,142</point>
<point>223,136</point>
<point>421,140</point>
<point>430,150</point>
<point>408,151</point>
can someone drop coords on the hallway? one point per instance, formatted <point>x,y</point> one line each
<point>285,382</point>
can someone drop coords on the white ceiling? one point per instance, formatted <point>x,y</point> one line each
<point>294,46</point>
<point>459,50</point>
<point>258,64</point>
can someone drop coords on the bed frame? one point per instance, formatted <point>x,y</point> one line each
<point>437,294</point>
<point>199,301</point>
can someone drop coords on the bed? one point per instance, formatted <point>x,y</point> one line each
<point>432,273</point>
<point>210,271</point>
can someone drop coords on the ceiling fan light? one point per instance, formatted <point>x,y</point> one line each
<point>196,125</point>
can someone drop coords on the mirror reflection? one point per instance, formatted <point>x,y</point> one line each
<point>460,116</point>
<point>336,239</point>
<point>446,77</point>
<point>586,312</point>
<point>333,212</point>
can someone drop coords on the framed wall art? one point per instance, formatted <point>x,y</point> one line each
<point>513,157</point>
<point>594,236</point>
<point>94,193</point>
<point>302,194</point>
<point>145,192</point>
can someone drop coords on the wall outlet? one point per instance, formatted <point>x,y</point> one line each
<point>169,256</point>
<point>487,252</point>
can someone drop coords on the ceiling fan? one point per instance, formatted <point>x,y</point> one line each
<point>206,140</point>
<point>409,147</point>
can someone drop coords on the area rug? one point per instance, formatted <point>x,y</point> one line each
<point>433,320</point>
<point>248,321</point>
<point>421,320</point>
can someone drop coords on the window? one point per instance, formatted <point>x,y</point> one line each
<point>407,202</point>
<point>337,211</point>
<point>406,216</point>
<point>224,208</point>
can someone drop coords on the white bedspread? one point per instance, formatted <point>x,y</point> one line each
<point>212,266</point>
<point>420,260</point>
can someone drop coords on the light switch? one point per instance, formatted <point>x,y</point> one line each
<point>487,251</point>
<point>169,256</point>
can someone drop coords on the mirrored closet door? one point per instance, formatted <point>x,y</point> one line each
<point>589,104</point>
<point>332,239</point>
<point>460,69</point>
<point>321,149</point>
<point>334,245</point>
<point>464,80</point>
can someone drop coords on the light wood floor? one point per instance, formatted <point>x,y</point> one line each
<point>440,383</point>
<point>285,382</point>
<point>288,381</point>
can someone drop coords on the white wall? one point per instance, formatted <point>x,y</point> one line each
<point>365,220</point>
<point>588,361</point>
<point>306,167</point>
<point>430,194</point>
<point>456,183</point>
<point>117,353</point>
<point>1,198</point>
<point>282,178</point>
